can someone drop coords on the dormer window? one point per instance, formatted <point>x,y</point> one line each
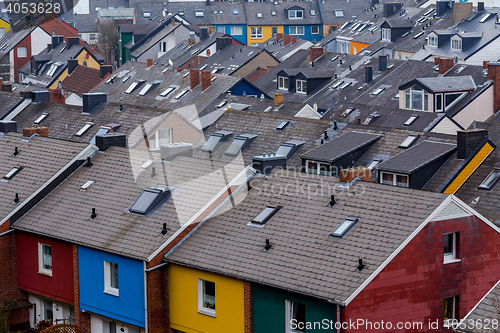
<point>456,44</point>
<point>432,41</point>
<point>416,99</point>
<point>282,83</point>
<point>301,86</point>
<point>386,34</point>
<point>294,14</point>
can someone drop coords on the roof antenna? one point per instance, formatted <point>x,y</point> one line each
<point>93,215</point>
<point>326,135</point>
<point>16,151</point>
<point>360,264</point>
<point>332,200</point>
<point>16,200</point>
<point>121,108</point>
<point>268,246</point>
<point>164,230</point>
<point>88,164</point>
<point>335,127</point>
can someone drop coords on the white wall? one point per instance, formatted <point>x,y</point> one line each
<point>81,6</point>
<point>212,48</point>
<point>490,52</point>
<point>480,109</point>
<point>60,310</point>
<point>446,126</point>
<point>100,324</point>
<point>39,40</point>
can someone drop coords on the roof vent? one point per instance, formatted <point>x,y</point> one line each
<point>332,200</point>
<point>268,245</point>
<point>164,230</point>
<point>360,264</point>
<point>93,215</point>
<point>16,152</point>
<point>16,199</point>
<point>88,164</point>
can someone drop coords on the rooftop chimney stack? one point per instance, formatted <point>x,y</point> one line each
<point>72,65</point>
<point>194,78</point>
<point>315,53</point>
<point>461,10</point>
<point>105,69</point>
<point>468,141</point>
<point>287,39</point>
<point>279,36</point>
<point>494,75</point>
<point>278,100</point>
<point>104,141</point>
<point>91,101</point>
<point>445,64</point>
<point>203,33</point>
<point>149,62</point>
<point>480,6</point>
<point>206,80</point>
<point>362,173</point>
<point>368,74</point>
<point>70,41</point>
<point>56,40</point>
<point>382,63</point>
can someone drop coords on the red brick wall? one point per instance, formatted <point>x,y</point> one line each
<point>19,62</point>
<point>82,319</point>
<point>412,287</point>
<point>247,299</point>
<point>494,75</point>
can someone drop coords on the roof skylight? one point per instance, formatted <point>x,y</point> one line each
<point>313,12</point>
<point>239,144</point>
<point>344,85</point>
<point>133,86</point>
<point>410,120</point>
<point>148,87</point>
<point>373,163</point>
<point>235,12</point>
<point>52,69</point>
<point>167,91</point>
<point>41,118</point>
<point>408,141</point>
<point>149,199</point>
<point>339,13</point>
<point>12,173</point>
<point>198,13</point>
<point>214,140</point>
<point>490,181</point>
<point>344,227</point>
<point>485,17</point>
<point>378,91</point>
<point>84,129</point>
<point>273,13</point>
<point>221,104</point>
<point>182,93</point>
<point>86,186</point>
<point>259,15</point>
<point>266,214</point>
<point>282,125</point>
<point>337,84</point>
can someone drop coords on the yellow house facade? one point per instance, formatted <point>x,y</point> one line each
<point>85,58</point>
<point>257,34</point>
<point>201,301</point>
<point>4,27</point>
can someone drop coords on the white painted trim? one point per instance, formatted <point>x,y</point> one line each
<point>466,207</point>
<point>477,304</point>
<point>41,269</point>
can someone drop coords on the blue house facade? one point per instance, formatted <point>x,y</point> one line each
<point>312,32</point>
<point>112,286</point>
<point>237,31</point>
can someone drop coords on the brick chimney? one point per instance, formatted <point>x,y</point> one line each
<point>494,75</point>
<point>7,86</point>
<point>206,80</point>
<point>42,131</point>
<point>105,69</point>
<point>149,62</point>
<point>194,78</point>
<point>461,10</point>
<point>347,175</point>
<point>445,64</point>
<point>436,60</point>
<point>279,36</point>
<point>70,41</point>
<point>315,53</point>
<point>56,96</point>
<point>468,141</point>
<point>287,39</point>
<point>278,100</point>
<point>294,40</point>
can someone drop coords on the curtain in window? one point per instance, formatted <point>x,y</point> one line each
<point>209,295</point>
<point>114,275</point>
<point>47,257</point>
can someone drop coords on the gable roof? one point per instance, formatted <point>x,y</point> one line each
<point>443,83</point>
<point>281,17</point>
<point>152,38</point>
<point>82,80</point>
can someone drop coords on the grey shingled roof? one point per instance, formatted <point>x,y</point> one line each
<point>341,146</point>
<point>119,180</point>
<point>8,101</point>
<point>281,18</point>
<point>302,257</point>
<point>487,310</point>
<point>417,156</point>
<point>150,41</point>
<point>445,83</point>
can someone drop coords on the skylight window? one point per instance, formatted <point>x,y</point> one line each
<point>266,214</point>
<point>86,186</point>
<point>344,85</point>
<point>167,91</point>
<point>84,129</point>
<point>408,141</point>
<point>339,13</point>
<point>344,227</point>
<point>313,12</point>
<point>282,125</point>
<point>373,163</point>
<point>148,88</point>
<point>182,93</point>
<point>490,181</point>
<point>410,120</point>
<point>284,150</point>
<point>378,91</point>
<point>101,131</point>
<point>149,199</point>
<point>52,69</point>
<point>259,15</point>
<point>239,144</point>
<point>12,173</point>
<point>198,13</point>
<point>236,12</point>
<point>337,84</point>
<point>221,104</point>
<point>146,14</point>
<point>131,87</point>
<point>214,141</point>
<point>273,13</point>
<point>484,18</point>
<point>41,118</point>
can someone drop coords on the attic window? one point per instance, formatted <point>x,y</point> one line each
<point>149,199</point>
<point>167,91</point>
<point>378,91</point>
<point>198,13</point>
<point>282,125</point>
<point>410,120</point>
<point>373,163</point>
<point>41,118</point>
<point>259,15</point>
<point>313,12</point>
<point>339,13</point>
<point>148,88</point>
<point>408,141</point>
<point>182,93</point>
<point>344,227</point>
<point>86,186</point>
<point>236,12</point>
<point>12,173</point>
<point>239,144</point>
<point>84,129</point>
<point>266,214</point>
<point>146,14</point>
<point>273,13</point>
<point>490,181</point>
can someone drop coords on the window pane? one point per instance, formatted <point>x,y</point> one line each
<point>209,295</point>
<point>164,136</point>
<point>439,102</point>
<point>448,308</point>
<point>387,178</point>
<point>324,169</point>
<point>450,98</point>
<point>235,147</point>
<point>426,101</point>
<point>298,312</point>
<point>416,100</point>
<point>407,93</point>
<point>114,275</point>
<point>47,257</point>
<point>143,203</point>
<point>402,181</point>
<point>48,310</point>
<point>448,244</point>
<point>312,167</point>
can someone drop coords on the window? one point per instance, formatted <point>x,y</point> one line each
<point>146,14</point>
<point>14,171</point>
<point>394,179</point>
<point>373,163</point>
<point>450,247</point>
<point>301,86</point>
<point>450,98</point>
<point>282,82</point>
<point>296,30</point>
<point>149,199</point>
<point>313,12</point>
<point>282,125</point>
<point>490,181</point>
<point>240,143</point>
<point>48,310</point>
<point>417,99</point>
<point>410,139</point>
<point>266,214</point>
<point>2,32</point>
<point>344,227</point>
<point>410,120</point>
<point>84,129</point>
<point>386,34</point>
<point>198,13</point>
<point>439,102</point>
<point>111,278</point>
<point>273,13</point>
<point>52,69</point>
<point>314,30</point>
<point>256,32</point>
<point>295,14</point>
<point>41,118</point>
<point>44,259</point>
<point>162,137</point>
<point>221,28</point>
<point>235,12</point>
<point>22,52</point>
<point>456,44</point>
<point>450,306</point>
<point>432,41</point>
<point>259,15</point>
<point>274,31</point>
<point>206,297</point>
<point>236,30</point>
<point>339,13</point>
<point>295,317</point>
<point>92,37</point>
<point>167,91</point>
<point>162,47</point>
<point>318,168</point>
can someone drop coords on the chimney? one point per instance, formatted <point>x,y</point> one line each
<point>442,7</point>
<point>203,33</point>
<point>56,96</point>
<point>42,131</point>
<point>56,40</point>
<point>286,40</point>
<point>294,40</point>
<point>40,96</point>
<point>468,141</point>
<point>265,163</point>
<point>25,94</point>
<point>374,2</point>
<point>1,82</point>
<point>368,74</point>
<point>105,69</point>
<point>279,36</point>
<point>170,151</point>
<point>72,65</point>
<point>194,78</point>
<point>7,86</point>
<point>480,6</point>
<point>104,141</point>
<point>222,42</point>
<point>206,80</point>
<point>70,41</point>
<point>208,3</point>
<point>436,60</point>
<point>494,75</point>
<point>390,8</point>
<point>93,100</point>
<point>382,63</point>
<point>485,64</point>
<point>8,126</point>
<point>315,53</point>
<point>191,41</point>
<point>445,64</point>
<point>461,10</point>
<point>149,62</point>
<point>347,175</point>
<point>49,47</point>
<point>278,100</point>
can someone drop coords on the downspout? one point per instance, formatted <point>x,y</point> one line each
<point>145,299</point>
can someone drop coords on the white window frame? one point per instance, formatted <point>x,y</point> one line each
<point>25,51</point>
<point>394,178</point>
<point>425,98</point>
<point>156,138</point>
<point>283,82</point>
<point>201,292</point>
<point>41,268</point>
<point>451,257</point>
<point>296,28</point>
<point>288,318</point>
<point>236,30</point>
<point>456,44</point>
<point>317,30</point>
<point>318,170</point>
<point>92,37</point>
<point>432,41</point>
<point>274,31</point>
<point>449,322</point>
<point>256,33</point>
<point>294,16</point>
<point>221,29</point>
<point>162,46</point>
<point>386,34</point>
<point>108,289</point>
<point>301,86</point>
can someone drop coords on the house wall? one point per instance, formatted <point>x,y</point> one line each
<point>412,286</point>
<point>4,25</point>
<point>419,178</point>
<point>59,310</point>
<point>124,54</point>
<point>446,126</point>
<point>152,52</point>
<point>17,62</point>
<point>39,41</point>
<point>488,53</point>
<point>59,286</point>
<point>356,47</point>
<point>269,308</point>
<point>226,28</point>
<point>266,33</point>
<point>183,294</point>
<point>402,55</point>
<point>264,60</point>
<point>243,88</point>
<point>308,35</point>
<point>103,325</point>
<point>129,306</point>
<point>84,56</point>
<point>479,109</point>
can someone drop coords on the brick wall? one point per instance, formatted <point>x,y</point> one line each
<point>82,319</point>
<point>247,295</point>
<point>412,287</point>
